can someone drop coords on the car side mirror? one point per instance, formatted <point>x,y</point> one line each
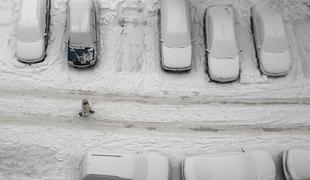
<point>193,40</point>
<point>240,51</point>
<point>208,51</point>
<point>161,40</point>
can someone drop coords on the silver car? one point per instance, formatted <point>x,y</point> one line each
<point>82,36</point>
<point>175,35</point>
<point>223,58</point>
<point>32,30</point>
<point>271,41</point>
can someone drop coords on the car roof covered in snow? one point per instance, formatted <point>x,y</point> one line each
<point>122,166</point>
<point>271,28</point>
<point>296,161</point>
<point>175,24</point>
<point>254,165</point>
<point>80,16</point>
<point>30,12</point>
<point>81,23</point>
<point>30,25</point>
<point>221,31</point>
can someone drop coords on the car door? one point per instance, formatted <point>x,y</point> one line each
<point>208,35</point>
<point>258,28</point>
<point>47,20</point>
<point>94,29</point>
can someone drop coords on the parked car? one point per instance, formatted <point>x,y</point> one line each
<point>296,163</point>
<point>271,41</point>
<point>175,35</point>
<point>255,165</point>
<point>32,30</point>
<point>103,166</point>
<point>82,37</point>
<point>222,50</point>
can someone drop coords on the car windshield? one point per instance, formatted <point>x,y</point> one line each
<point>275,44</point>
<point>224,49</point>
<point>30,25</point>
<point>81,39</point>
<point>29,34</point>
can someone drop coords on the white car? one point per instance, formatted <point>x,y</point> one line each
<point>32,31</point>
<point>271,41</point>
<point>175,35</point>
<point>103,166</point>
<point>82,33</point>
<point>296,164</point>
<point>255,165</point>
<point>222,50</point>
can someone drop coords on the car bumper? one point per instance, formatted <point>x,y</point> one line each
<point>176,59</point>
<point>275,64</point>
<point>223,70</point>
<point>91,63</point>
<point>30,52</point>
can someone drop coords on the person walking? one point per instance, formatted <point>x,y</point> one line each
<point>86,109</point>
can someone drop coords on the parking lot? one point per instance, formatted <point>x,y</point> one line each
<point>139,107</point>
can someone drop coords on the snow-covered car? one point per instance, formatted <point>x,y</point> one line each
<point>103,166</point>
<point>82,33</point>
<point>254,165</point>
<point>175,35</point>
<point>222,50</point>
<point>32,30</point>
<point>296,164</point>
<point>271,41</point>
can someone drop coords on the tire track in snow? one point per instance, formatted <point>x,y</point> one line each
<point>243,99</point>
<point>36,107</point>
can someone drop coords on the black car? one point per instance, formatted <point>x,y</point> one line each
<point>82,33</point>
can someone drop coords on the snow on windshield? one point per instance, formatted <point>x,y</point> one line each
<point>81,39</point>
<point>29,34</point>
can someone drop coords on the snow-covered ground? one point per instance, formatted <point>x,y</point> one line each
<point>139,107</point>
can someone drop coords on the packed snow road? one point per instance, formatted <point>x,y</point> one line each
<point>54,107</point>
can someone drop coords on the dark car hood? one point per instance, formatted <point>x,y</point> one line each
<point>81,56</point>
